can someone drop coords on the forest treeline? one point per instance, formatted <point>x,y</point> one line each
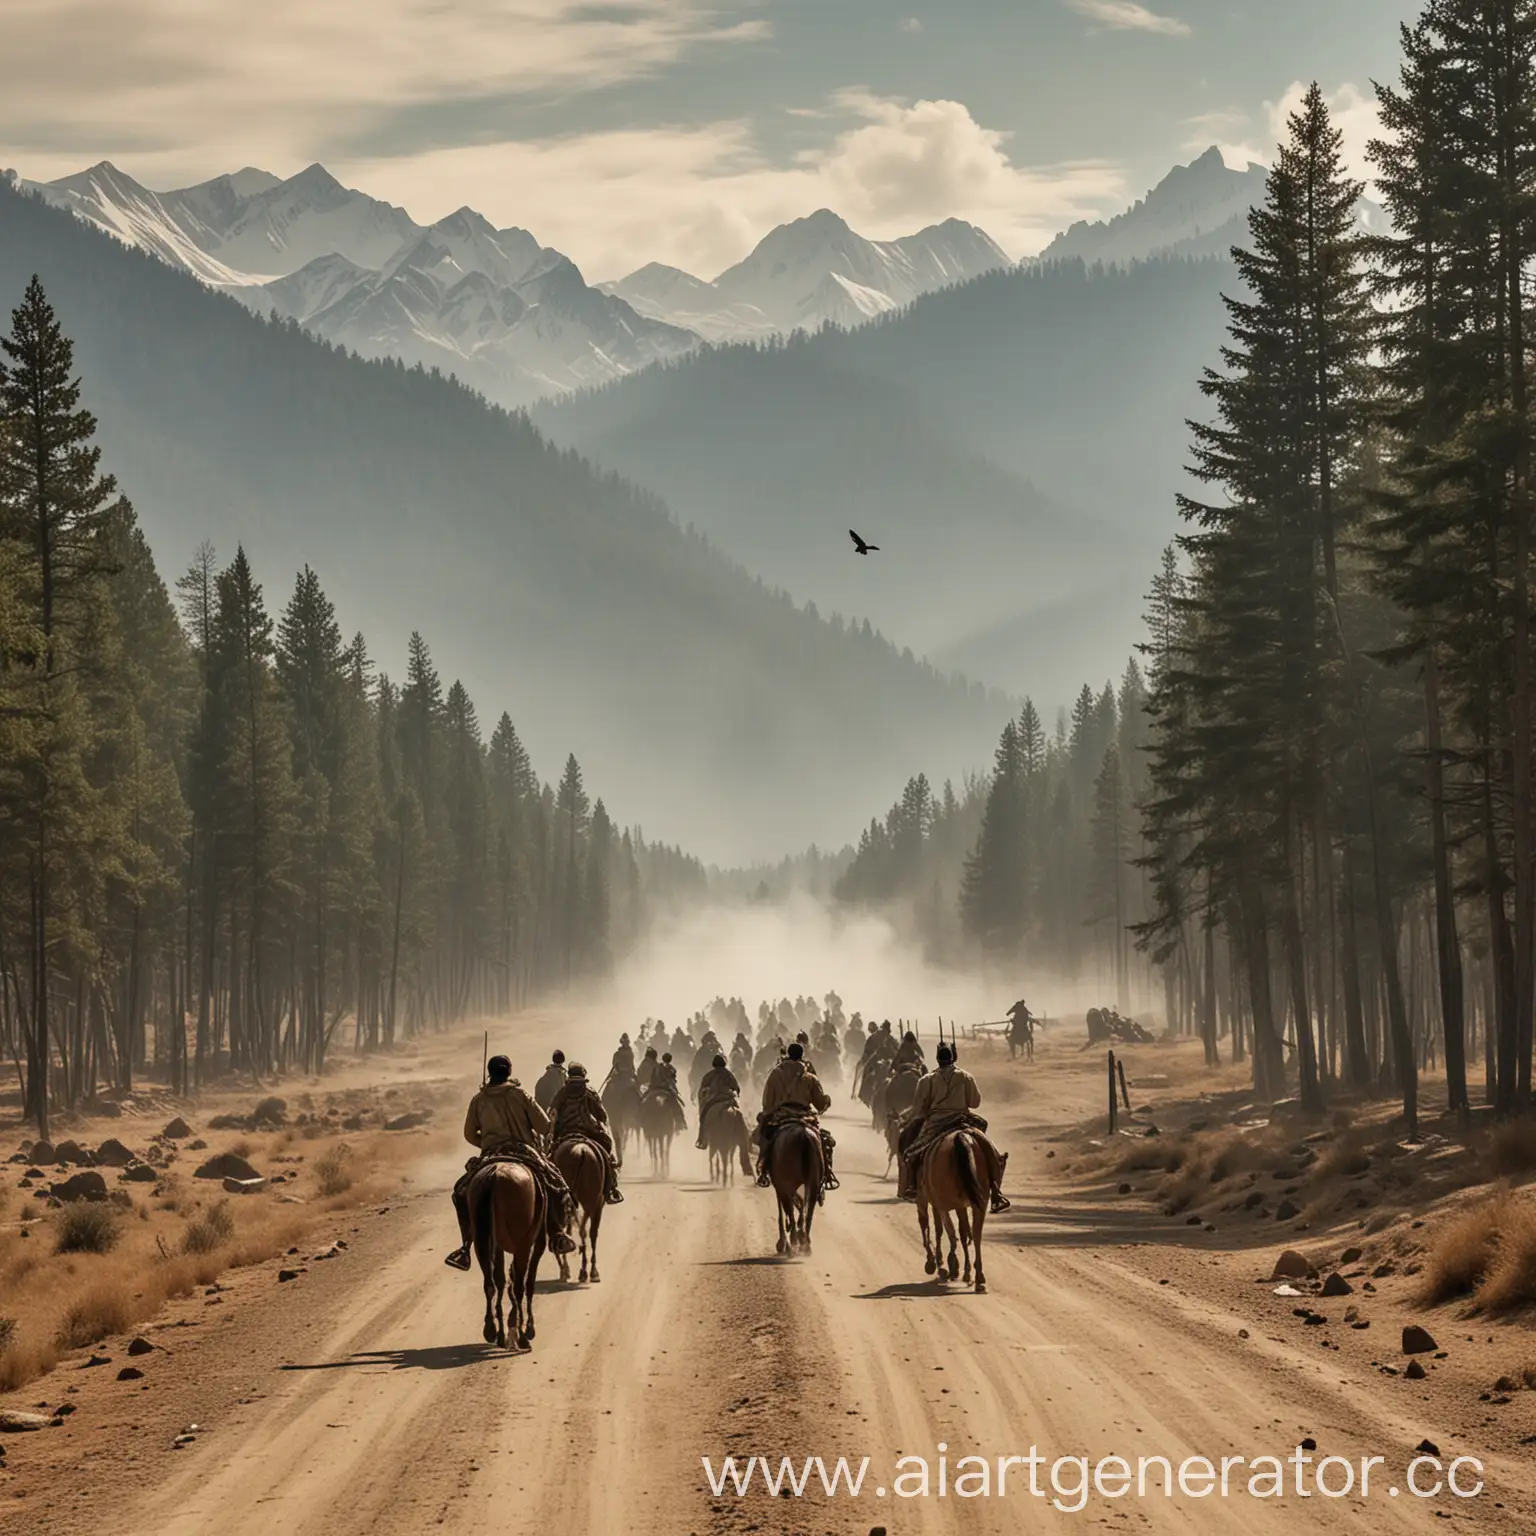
<point>227,839</point>
<point>1334,806</point>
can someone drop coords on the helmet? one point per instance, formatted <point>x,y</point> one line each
<point>908,1036</point>
<point>624,1039</point>
<point>650,1051</point>
<point>945,1055</point>
<point>667,1057</point>
<point>498,1069</point>
<point>576,1070</point>
<point>719,1060</point>
<point>796,1051</point>
<point>558,1058</point>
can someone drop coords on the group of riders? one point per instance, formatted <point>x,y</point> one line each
<point>889,1073</point>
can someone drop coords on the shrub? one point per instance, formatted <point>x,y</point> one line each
<point>89,1320</point>
<point>206,1232</point>
<point>7,1332</point>
<point>1462,1252</point>
<point>86,1228</point>
<point>1511,1282</point>
<point>333,1171</point>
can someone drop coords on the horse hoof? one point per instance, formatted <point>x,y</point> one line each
<point>525,1341</point>
<point>501,1341</point>
<point>489,1335</point>
<point>596,1278</point>
<point>931,1267</point>
<point>981,1287</point>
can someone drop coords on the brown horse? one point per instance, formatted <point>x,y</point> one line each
<point>796,1171</point>
<point>659,1114</point>
<point>582,1166</point>
<point>508,1209</point>
<point>727,1139</point>
<point>621,1100</point>
<point>893,1125</point>
<point>952,1181</point>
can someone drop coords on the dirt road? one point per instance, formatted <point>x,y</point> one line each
<point>370,1405</point>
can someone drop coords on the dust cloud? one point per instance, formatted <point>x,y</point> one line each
<point>795,947</point>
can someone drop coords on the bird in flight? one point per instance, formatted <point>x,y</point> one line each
<point>860,547</point>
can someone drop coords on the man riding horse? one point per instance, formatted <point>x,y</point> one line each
<point>1021,1029</point>
<point>793,1093</point>
<point>647,1070</point>
<point>503,1122</point>
<point>946,1100</point>
<point>551,1082</point>
<point>663,1086</point>
<point>577,1111</point>
<point>624,1057</point>
<point>718,1086</point>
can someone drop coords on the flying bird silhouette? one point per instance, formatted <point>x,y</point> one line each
<point>860,547</point>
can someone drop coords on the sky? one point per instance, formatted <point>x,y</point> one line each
<point>627,131</point>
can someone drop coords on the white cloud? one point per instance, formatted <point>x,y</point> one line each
<point>699,196</point>
<point>1127,16</point>
<point>1354,114</point>
<point>911,25</point>
<point>181,85</point>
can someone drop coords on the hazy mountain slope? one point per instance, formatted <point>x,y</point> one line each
<point>1199,209</point>
<point>776,453</point>
<point>725,717</point>
<point>1012,444</point>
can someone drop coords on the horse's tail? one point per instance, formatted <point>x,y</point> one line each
<point>482,1223</point>
<point>965,1166</point>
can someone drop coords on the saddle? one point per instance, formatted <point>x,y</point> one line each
<point>579,1135</point>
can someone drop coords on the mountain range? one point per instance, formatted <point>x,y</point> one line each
<point>508,316</point>
<point>809,273</point>
<point>738,721</point>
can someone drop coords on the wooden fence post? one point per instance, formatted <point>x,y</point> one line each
<point>1113,1105</point>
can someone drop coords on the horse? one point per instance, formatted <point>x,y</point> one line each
<point>893,1124</point>
<point>658,1122</point>
<point>582,1166</point>
<point>901,1090</point>
<point>508,1209</point>
<point>621,1101</point>
<point>1021,1036</point>
<point>872,1088</point>
<point>954,1187</point>
<point>727,1138</point>
<point>796,1171</point>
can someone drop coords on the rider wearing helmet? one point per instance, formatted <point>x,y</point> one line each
<point>578,1111</point>
<point>718,1086</point>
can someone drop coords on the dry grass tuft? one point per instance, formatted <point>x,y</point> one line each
<point>21,1361</point>
<point>333,1171</point>
<point>104,1310</point>
<point>1511,1283</point>
<point>1463,1250</point>
<point>211,1230</point>
<point>87,1228</point>
<point>7,1333</point>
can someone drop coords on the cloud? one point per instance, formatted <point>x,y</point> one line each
<point>699,196</point>
<point>182,84</point>
<point>1354,114</point>
<point>910,24</point>
<point>1127,16</point>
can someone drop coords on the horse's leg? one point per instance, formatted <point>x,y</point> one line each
<point>501,1290</point>
<point>525,1338</point>
<point>964,1219</point>
<point>931,1262</point>
<point>581,1237</point>
<point>488,1276</point>
<point>978,1216</point>
<point>949,1232</point>
<point>783,1244</point>
<point>597,1221</point>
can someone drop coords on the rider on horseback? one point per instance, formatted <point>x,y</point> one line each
<point>719,1086</point>
<point>793,1092</point>
<point>504,1122</point>
<point>647,1070</point>
<point>551,1082</point>
<point>946,1100</point>
<point>624,1058</point>
<point>908,1054</point>
<point>577,1111</point>
<point>663,1085</point>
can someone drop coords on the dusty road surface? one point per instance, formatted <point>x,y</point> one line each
<point>358,1398</point>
